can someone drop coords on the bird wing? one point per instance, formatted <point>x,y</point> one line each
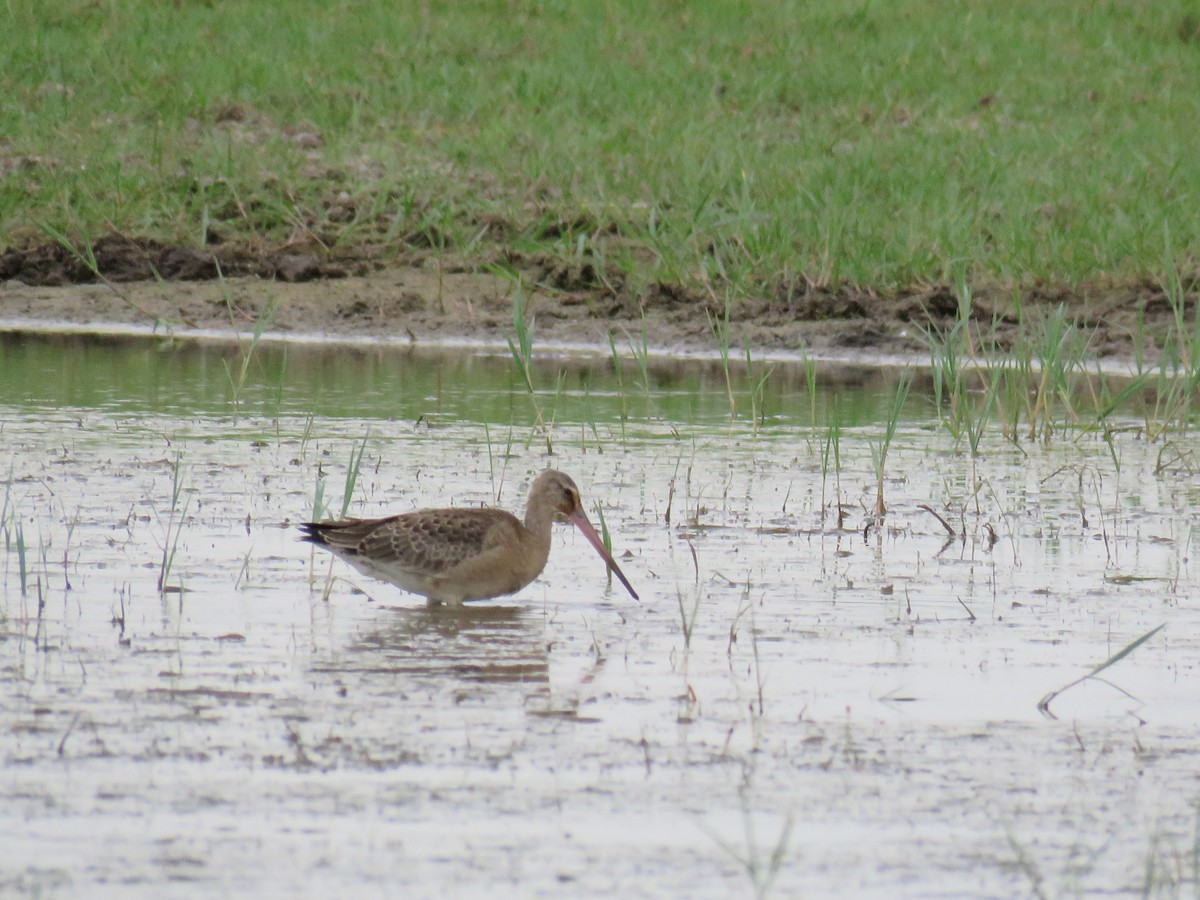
<point>431,543</point>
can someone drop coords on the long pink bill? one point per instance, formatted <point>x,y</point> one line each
<point>581,522</point>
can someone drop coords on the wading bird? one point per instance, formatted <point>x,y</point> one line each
<point>452,556</point>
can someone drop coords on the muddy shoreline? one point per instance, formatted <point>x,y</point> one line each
<point>422,296</point>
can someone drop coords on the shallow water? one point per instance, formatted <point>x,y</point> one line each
<point>864,704</point>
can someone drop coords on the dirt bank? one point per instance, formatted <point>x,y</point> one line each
<point>421,295</point>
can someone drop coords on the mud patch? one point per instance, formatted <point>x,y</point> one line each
<point>422,294</point>
<point>122,259</point>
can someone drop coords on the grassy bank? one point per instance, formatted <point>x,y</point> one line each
<point>761,146</point>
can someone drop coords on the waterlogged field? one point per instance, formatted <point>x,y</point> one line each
<point>808,699</point>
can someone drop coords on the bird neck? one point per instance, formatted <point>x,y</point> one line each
<point>536,541</point>
<point>539,520</point>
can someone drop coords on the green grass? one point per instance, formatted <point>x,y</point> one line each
<point>880,448</point>
<point>1044,379</point>
<point>754,146</point>
<point>176,516</point>
<point>1044,703</point>
<point>22,565</point>
<point>238,374</point>
<point>353,470</point>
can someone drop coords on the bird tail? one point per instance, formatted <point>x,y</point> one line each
<point>314,533</point>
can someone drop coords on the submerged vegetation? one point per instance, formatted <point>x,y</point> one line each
<point>1045,379</point>
<point>1038,381</point>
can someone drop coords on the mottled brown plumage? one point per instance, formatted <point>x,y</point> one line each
<point>456,555</point>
